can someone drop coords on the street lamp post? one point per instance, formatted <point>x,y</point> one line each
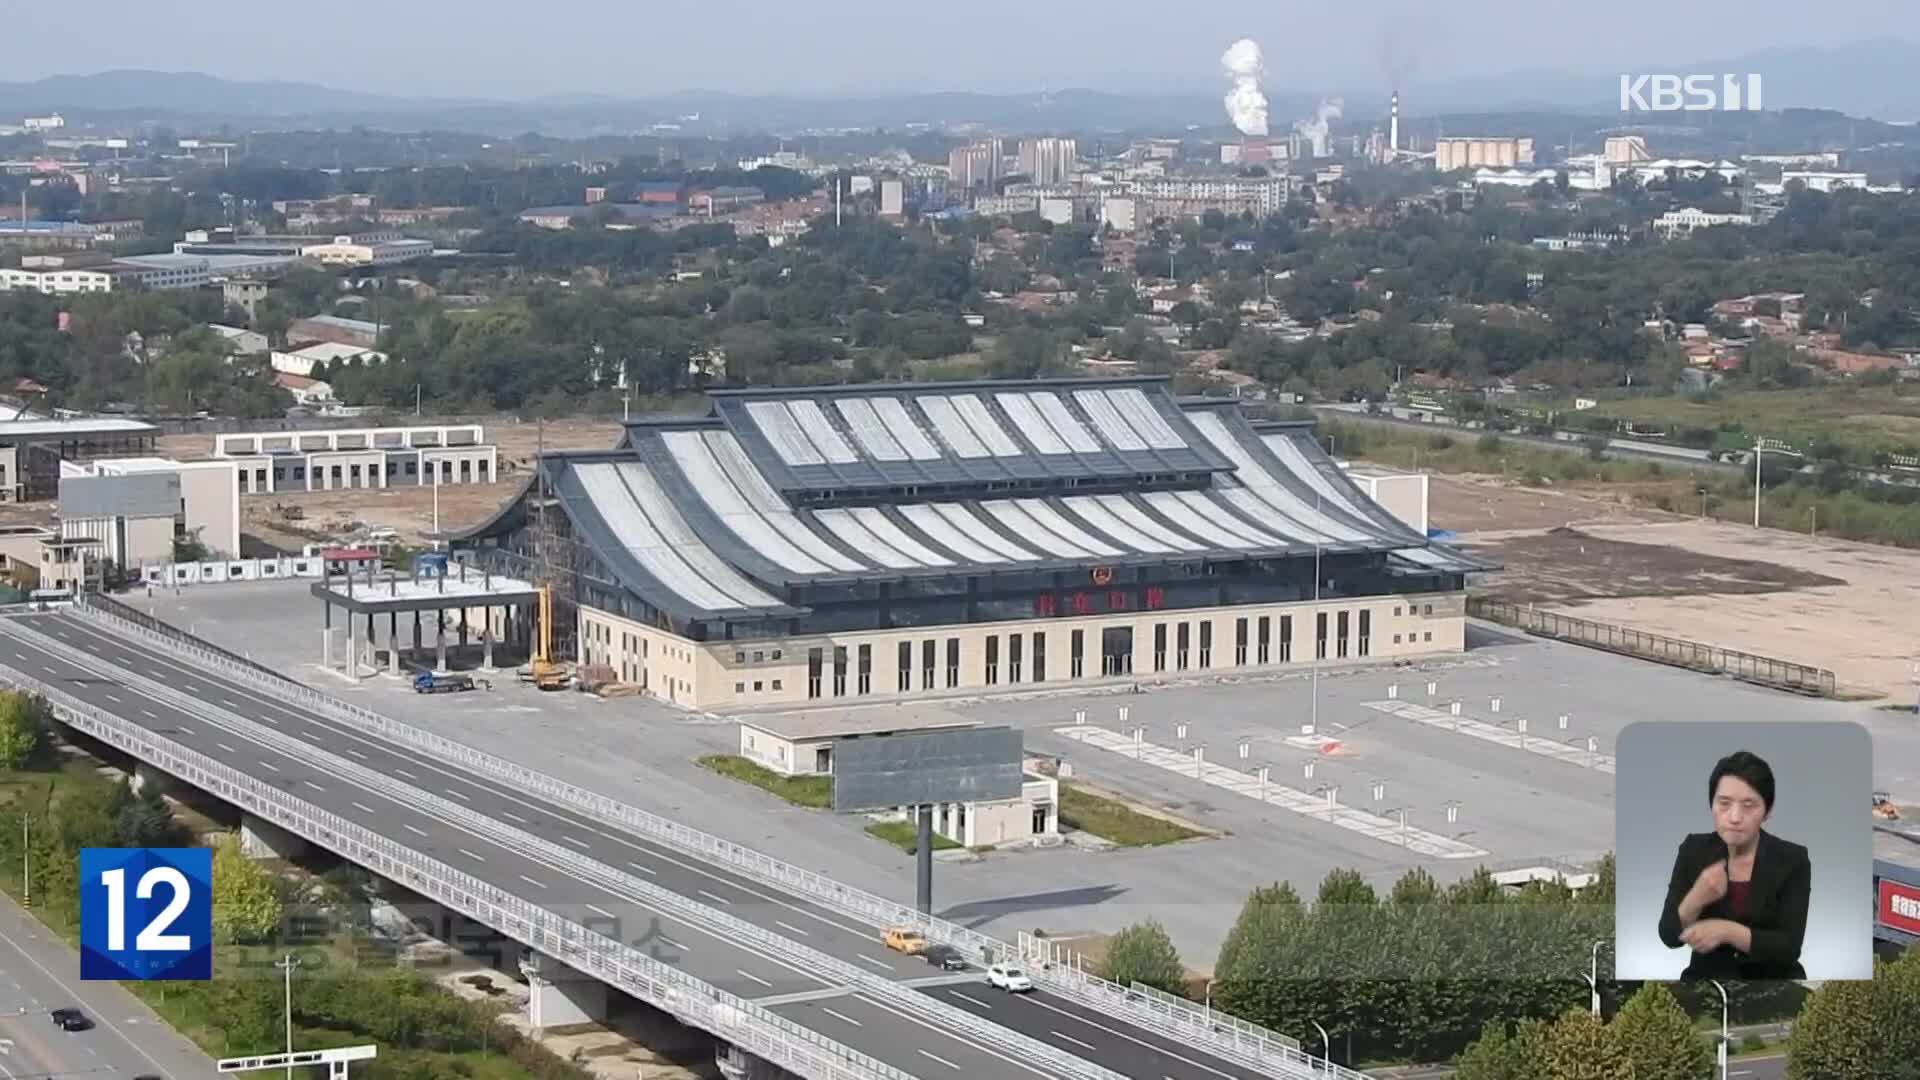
<point>1593,978</point>
<point>287,966</point>
<point>1723,1027</point>
<point>1326,1048</point>
<point>26,860</point>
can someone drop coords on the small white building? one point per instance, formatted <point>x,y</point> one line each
<point>1679,222</point>
<point>1824,181</point>
<point>302,361</point>
<point>308,393</point>
<point>240,340</point>
<point>1404,495</point>
<point>352,251</point>
<point>802,744</point>
<point>278,461</point>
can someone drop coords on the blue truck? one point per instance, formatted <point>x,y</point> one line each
<point>428,682</point>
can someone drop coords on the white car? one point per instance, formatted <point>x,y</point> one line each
<point>1009,978</point>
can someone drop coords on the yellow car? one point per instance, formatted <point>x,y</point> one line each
<point>901,939</point>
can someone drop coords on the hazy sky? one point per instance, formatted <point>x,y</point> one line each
<point>493,48</point>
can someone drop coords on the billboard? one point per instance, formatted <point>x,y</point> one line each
<point>916,768</point>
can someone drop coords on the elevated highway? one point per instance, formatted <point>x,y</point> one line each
<point>784,964</point>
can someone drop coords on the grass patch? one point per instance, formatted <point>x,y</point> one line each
<point>1115,821</point>
<point>815,792</point>
<point>901,835</point>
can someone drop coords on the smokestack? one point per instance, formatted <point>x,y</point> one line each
<point>1393,125</point>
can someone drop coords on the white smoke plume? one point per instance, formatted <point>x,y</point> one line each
<point>1317,130</point>
<point>1246,103</point>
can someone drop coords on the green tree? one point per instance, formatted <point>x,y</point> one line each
<point>1580,1047</point>
<point>1659,1039</point>
<point>147,821</point>
<point>1344,886</point>
<point>1501,1055</point>
<point>1143,953</point>
<point>1416,886</point>
<point>246,907</point>
<point>22,728</point>
<point>1860,1030</point>
<point>86,815</point>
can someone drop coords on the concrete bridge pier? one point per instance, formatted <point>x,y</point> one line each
<point>262,839</point>
<point>560,995</point>
<point>737,1064</point>
<point>150,778</point>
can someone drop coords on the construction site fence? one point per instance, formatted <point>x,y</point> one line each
<point>1627,641</point>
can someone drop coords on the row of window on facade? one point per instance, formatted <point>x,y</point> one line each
<point>1024,660</point>
<point>353,474</point>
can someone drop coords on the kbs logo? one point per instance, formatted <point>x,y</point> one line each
<point>1689,93</point>
<point>1899,906</point>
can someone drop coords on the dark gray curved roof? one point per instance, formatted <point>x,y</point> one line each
<point>693,517</point>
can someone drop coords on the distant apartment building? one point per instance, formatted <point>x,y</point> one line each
<point>1185,197</point>
<point>1119,214</point>
<point>44,123</point>
<point>659,192</point>
<point>893,198</point>
<point>1475,152</point>
<point>1680,222</point>
<point>47,235</point>
<point>1626,150</point>
<point>244,293</point>
<point>1048,160</point>
<point>1812,159</point>
<point>1006,205</point>
<point>977,165</point>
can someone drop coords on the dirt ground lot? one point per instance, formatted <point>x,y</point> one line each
<point>407,510</point>
<point>1834,604</point>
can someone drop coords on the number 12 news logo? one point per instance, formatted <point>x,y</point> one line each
<point>146,913</point>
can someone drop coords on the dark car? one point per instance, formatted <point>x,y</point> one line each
<point>946,958</point>
<point>70,1020</point>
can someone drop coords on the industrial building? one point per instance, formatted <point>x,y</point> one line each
<point>206,508</point>
<point>1479,152</point>
<point>874,542</point>
<point>33,447</point>
<point>1049,160</point>
<point>326,460</point>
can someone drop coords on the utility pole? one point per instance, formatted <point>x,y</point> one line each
<point>26,861</point>
<point>1758,449</point>
<point>287,966</point>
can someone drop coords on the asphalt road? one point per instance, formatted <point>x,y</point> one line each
<point>88,672</point>
<point>40,973</point>
<point>1758,1068</point>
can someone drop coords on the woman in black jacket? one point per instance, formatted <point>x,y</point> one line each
<point>1738,897</point>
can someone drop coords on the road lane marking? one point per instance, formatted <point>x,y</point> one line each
<point>270,765</point>
<point>111,696</point>
<point>671,944</point>
<point>713,896</point>
<point>405,773</point>
<point>881,964</point>
<point>458,794</point>
<point>790,926</point>
<point>1077,1042</point>
<point>575,841</point>
<point>356,753</point>
<point>531,882</point>
<point>184,729</point>
<point>313,785</point>
<point>149,714</point>
<point>644,869</point>
<point>749,975</point>
<point>415,830</point>
<point>842,1017</point>
<point>470,855</point>
<point>1115,1031</point>
<point>598,910</point>
<point>363,807</point>
<point>514,816</point>
<point>938,1058</point>
<point>225,747</point>
<point>970,997</point>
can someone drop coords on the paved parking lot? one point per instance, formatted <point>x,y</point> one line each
<point>1516,805</point>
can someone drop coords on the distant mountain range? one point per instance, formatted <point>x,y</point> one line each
<point>1869,79</point>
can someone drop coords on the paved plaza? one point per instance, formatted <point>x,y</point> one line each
<point>1393,756</point>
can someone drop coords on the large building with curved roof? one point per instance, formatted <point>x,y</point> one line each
<point>867,542</point>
